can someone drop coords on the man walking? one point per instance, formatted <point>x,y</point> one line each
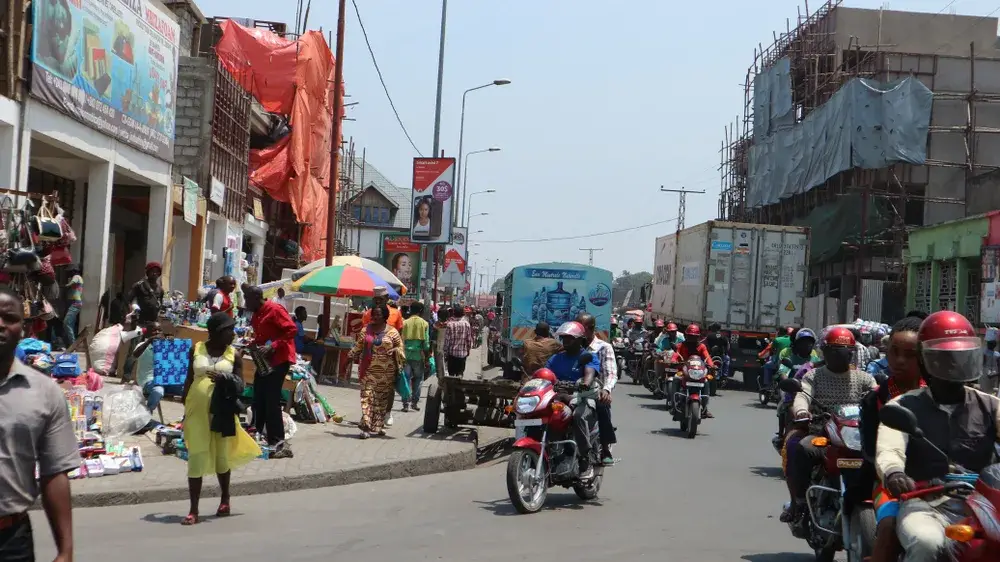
<point>440,325</point>
<point>36,430</point>
<point>416,341</point>
<point>605,354</point>
<point>457,342</point>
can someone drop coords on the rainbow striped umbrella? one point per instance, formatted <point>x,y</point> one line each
<point>343,281</point>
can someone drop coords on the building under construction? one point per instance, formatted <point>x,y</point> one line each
<point>864,124</point>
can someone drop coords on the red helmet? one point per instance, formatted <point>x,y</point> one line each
<point>693,330</point>
<point>671,326</point>
<point>659,323</point>
<point>949,347</point>
<point>545,374</point>
<point>838,336</point>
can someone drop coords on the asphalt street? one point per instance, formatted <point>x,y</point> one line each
<point>715,498</point>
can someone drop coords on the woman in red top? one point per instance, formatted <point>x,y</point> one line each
<point>273,336</point>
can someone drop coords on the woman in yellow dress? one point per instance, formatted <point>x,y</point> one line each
<point>380,348</point>
<point>216,444</point>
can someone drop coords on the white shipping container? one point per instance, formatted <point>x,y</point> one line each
<point>662,298</point>
<point>746,277</point>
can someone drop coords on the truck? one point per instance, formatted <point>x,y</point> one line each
<point>553,293</point>
<point>748,278</point>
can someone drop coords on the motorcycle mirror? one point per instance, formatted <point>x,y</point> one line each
<point>900,418</point>
<point>790,385</point>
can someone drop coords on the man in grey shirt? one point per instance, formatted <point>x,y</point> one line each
<point>34,428</point>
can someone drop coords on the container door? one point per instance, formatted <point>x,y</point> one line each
<point>768,279</point>
<point>742,271</point>
<point>792,247</point>
<point>718,289</point>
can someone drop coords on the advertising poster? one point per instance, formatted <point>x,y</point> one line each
<point>453,265</point>
<point>110,64</point>
<point>432,197</point>
<point>401,256</point>
<point>190,202</point>
<point>555,293</point>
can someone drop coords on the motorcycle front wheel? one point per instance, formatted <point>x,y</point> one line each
<point>693,419</point>
<point>526,492</point>
<point>863,526</point>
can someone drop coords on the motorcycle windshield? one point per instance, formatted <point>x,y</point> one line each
<point>535,385</point>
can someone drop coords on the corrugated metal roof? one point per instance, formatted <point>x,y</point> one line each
<point>398,195</point>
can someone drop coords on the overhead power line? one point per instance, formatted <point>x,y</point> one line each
<point>382,80</point>
<point>579,236</point>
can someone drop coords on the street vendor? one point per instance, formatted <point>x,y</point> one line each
<point>148,294</point>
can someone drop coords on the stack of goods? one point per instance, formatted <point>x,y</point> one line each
<point>310,406</point>
<point>37,354</point>
<point>98,458</point>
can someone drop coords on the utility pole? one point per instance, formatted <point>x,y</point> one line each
<point>338,124</point>
<point>682,205</point>
<point>591,250</point>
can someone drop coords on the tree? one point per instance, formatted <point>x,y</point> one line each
<point>497,285</point>
<point>629,282</point>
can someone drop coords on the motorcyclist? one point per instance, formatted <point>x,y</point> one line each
<point>718,344</point>
<point>903,375</point>
<point>833,385</point>
<point>691,346</point>
<point>782,341</point>
<point>576,364</point>
<point>961,421</point>
<point>613,333</point>
<point>802,351</point>
<point>666,342</point>
<point>634,330</point>
<point>605,354</point>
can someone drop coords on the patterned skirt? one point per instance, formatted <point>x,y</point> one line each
<point>377,389</point>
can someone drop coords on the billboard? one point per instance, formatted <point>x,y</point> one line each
<point>401,256</point>
<point>433,196</point>
<point>555,293</point>
<point>110,64</point>
<point>453,265</point>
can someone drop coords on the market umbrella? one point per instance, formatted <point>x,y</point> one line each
<point>343,281</point>
<point>354,261</point>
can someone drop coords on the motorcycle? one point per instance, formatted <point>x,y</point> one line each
<point>637,352</point>
<point>690,401</point>
<point>670,373</point>
<point>841,515</point>
<point>620,347</point>
<point>545,453</point>
<point>771,393</point>
<point>976,538</point>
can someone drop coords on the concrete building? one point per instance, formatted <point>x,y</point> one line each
<point>110,162</point>
<point>905,167</point>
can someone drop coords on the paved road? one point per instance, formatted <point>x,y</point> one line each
<point>712,499</point>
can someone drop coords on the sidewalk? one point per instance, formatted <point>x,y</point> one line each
<point>325,455</point>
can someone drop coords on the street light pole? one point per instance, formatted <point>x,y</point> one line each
<point>440,82</point>
<point>468,206</point>
<point>461,127</point>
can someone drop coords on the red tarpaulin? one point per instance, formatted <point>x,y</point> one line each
<point>294,78</point>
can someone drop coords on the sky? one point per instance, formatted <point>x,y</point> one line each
<point>608,101</point>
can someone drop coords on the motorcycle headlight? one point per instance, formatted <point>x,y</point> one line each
<point>696,374</point>
<point>851,437</point>
<point>526,404</point>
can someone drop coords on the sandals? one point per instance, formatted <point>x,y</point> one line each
<point>190,519</point>
<point>223,511</point>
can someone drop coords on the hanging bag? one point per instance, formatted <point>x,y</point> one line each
<point>21,255</point>
<point>49,227</point>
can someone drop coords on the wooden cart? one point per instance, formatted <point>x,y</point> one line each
<point>470,402</point>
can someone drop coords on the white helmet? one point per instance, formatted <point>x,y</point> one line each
<point>572,329</point>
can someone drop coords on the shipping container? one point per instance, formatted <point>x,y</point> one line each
<point>748,278</point>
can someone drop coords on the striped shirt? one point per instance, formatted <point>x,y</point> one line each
<point>606,357</point>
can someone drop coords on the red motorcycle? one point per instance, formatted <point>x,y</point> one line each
<point>976,538</point>
<point>545,453</point>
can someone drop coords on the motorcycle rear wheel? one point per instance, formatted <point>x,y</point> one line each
<point>589,491</point>
<point>520,465</point>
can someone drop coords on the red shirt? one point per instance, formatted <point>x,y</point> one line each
<point>684,353</point>
<point>272,323</point>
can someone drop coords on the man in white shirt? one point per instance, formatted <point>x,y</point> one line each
<point>605,354</point>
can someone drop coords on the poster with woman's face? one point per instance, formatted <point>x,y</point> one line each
<point>426,218</point>
<point>401,256</point>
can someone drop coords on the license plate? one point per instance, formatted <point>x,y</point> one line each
<point>849,463</point>
<point>696,384</point>
<point>527,422</point>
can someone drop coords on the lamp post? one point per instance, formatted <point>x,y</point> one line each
<point>461,127</point>
<point>465,180</point>
<point>468,205</point>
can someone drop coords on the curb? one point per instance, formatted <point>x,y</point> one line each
<point>450,462</point>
